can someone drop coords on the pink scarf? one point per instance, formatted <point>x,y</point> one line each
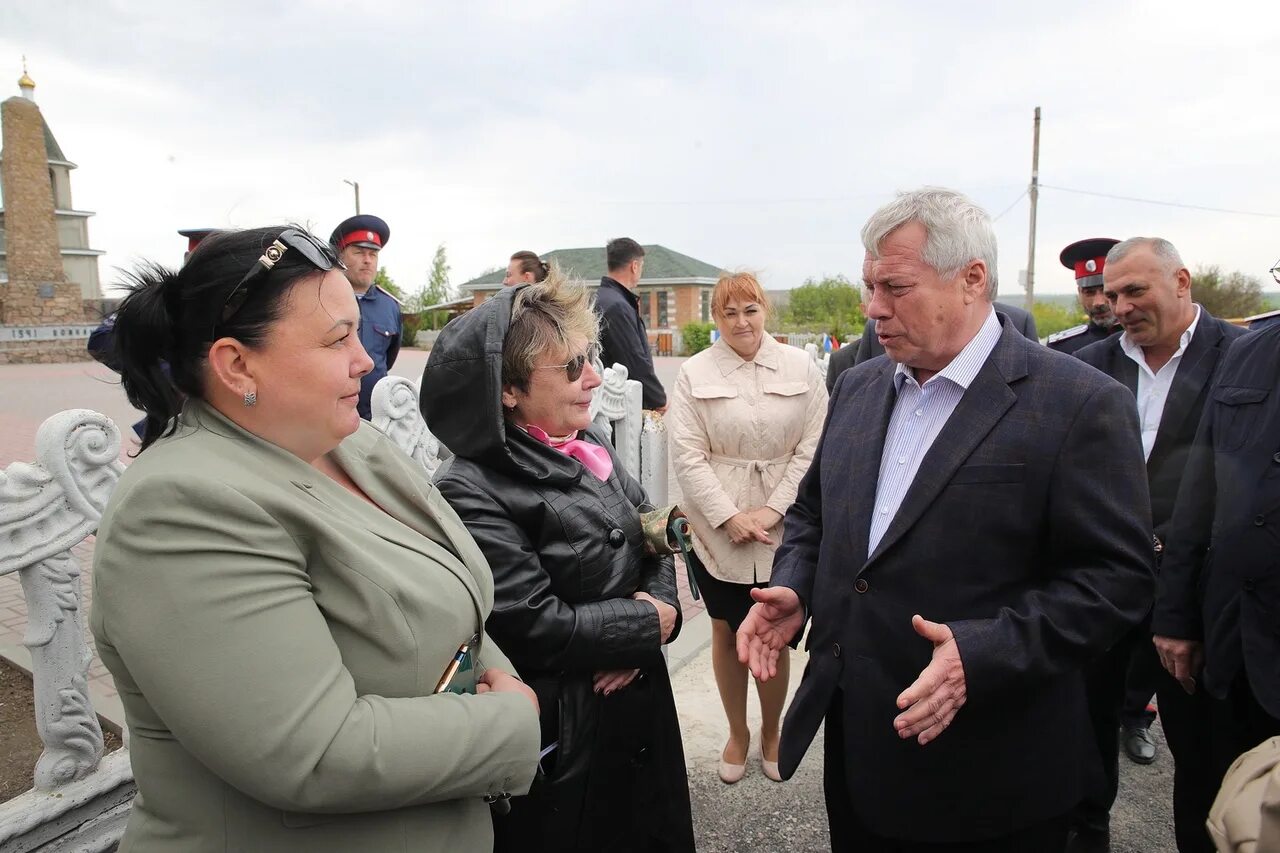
<point>596,458</point>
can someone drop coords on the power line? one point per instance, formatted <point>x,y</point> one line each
<point>1012,204</point>
<point>1162,203</point>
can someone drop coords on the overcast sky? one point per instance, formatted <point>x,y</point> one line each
<point>756,135</point>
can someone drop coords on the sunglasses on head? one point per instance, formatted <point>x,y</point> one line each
<point>1275,272</point>
<point>319,255</point>
<point>573,367</point>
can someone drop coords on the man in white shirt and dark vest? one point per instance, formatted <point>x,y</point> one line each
<point>1167,355</point>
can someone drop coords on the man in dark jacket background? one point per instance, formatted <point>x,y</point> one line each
<point>623,337</point>
<point>1167,356</point>
<point>1219,588</point>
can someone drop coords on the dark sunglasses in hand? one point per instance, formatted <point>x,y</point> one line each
<point>573,367</point>
<point>319,255</point>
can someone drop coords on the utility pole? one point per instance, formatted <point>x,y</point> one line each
<point>355,185</point>
<point>1035,197</point>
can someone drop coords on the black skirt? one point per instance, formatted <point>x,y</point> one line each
<point>725,600</point>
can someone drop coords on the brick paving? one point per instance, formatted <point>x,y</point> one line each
<point>31,393</point>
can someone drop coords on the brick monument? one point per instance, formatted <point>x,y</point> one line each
<point>42,315</point>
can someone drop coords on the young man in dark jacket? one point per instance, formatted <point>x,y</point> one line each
<point>623,337</point>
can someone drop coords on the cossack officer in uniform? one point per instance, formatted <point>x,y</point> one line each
<point>1087,259</point>
<point>358,241</point>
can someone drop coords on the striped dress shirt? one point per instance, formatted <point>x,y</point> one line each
<point>919,414</point>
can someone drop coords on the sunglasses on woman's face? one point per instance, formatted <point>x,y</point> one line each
<point>573,367</point>
<point>319,255</point>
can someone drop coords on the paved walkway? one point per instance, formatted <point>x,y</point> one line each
<point>754,815</point>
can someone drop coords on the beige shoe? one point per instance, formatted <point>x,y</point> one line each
<point>732,773</point>
<point>769,768</point>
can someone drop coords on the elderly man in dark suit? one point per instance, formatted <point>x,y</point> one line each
<point>973,531</point>
<point>1167,356</point>
<point>869,344</point>
<point>1218,602</point>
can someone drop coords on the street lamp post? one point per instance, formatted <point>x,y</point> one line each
<point>355,185</point>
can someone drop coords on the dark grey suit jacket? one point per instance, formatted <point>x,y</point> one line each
<point>1182,409</point>
<point>1220,582</point>
<point>869,346</point>
<point>1027,531</point>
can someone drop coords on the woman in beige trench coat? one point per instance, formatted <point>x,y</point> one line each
<point>743,425</point>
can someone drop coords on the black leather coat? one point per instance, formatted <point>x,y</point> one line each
<point>566,551</point>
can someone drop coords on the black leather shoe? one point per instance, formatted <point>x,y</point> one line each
<point>1088,841</point>
<point>1138,744</point>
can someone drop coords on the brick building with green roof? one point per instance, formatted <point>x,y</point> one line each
<point>676,289</point>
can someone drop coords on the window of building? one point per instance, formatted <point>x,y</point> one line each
<point>706,305</point>
<point>661,321</point>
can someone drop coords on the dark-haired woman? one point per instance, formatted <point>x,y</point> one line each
<point>578,604</point>
<point>279,592</point>
<point>525,267</point>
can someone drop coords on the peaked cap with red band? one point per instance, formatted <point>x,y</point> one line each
<point>1087,258</point>
<point>195,235</point>
<point>362,230</point>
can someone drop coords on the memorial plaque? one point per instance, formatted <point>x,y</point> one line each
<point>45,333</point>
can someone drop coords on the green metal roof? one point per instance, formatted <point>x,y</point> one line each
<point>589,264</point>
<point>51,146</point>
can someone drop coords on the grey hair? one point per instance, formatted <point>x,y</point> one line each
<point>958,231</point>
<point>1159,247</point>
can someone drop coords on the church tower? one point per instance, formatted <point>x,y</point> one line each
<point>42,309</point>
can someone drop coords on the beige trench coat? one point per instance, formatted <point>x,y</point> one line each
<point>742,435</point>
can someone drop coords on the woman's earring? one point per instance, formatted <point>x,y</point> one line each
<point>250,399</point>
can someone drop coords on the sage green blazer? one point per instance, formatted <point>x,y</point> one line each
<point>276,640</point>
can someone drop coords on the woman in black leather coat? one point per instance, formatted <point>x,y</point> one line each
<point>578,605</point>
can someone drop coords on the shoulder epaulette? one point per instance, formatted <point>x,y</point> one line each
<point>389,293</point>
<point>1266,315</point>
<point>1067,333</point>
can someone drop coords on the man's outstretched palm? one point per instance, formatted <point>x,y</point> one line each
<point>769,626</point>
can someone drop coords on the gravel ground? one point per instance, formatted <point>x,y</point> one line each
<point>759,815</point>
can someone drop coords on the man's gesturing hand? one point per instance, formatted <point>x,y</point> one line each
<point>770,624</point>
<point>929,704</point>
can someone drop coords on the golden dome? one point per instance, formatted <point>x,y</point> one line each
<point>25,82</point>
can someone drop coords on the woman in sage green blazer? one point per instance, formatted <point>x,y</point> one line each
<point>278,589</point>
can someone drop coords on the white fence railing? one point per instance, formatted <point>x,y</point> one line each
<point>80,800</point>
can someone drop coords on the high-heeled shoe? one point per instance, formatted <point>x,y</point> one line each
<point>769,768</point>
<point>732,773</point>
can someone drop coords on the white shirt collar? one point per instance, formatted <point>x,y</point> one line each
<point>1134,351</point>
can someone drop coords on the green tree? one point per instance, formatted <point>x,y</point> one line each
<point>696,336</point>
<point>437,289</point>
<point>830,304</point>
<point>1227,295</point>
<point>1053,317</point>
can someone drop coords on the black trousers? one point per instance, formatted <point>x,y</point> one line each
<point>1187,720</point>
<point>1205,736</point>
<point>1140,686</point>
<point>1107,685</point>
<point>850,835</point>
